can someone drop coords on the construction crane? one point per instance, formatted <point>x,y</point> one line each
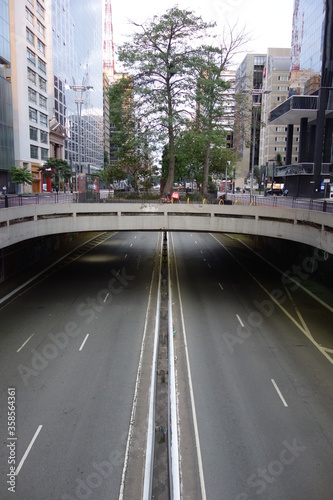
<point>108,46</point>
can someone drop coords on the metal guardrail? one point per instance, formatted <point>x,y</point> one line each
<point>320,205</point>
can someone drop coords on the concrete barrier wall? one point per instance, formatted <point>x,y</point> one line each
<point>305,226</point>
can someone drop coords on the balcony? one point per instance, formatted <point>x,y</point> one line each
<point>299,169</point>
<point>293,109</point>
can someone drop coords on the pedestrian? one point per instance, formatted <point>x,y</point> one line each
<point>4,189</point>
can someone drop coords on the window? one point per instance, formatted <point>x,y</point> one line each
<point>40,9</point>
<point>41,47</point>
<point>31,57</point>
<point>33,114</point>
<point>280,139</point>
<point>42,65</point>
<point>31,75</point>
<point>32,95</point>
<point>42,83</point>
<point>283,78</point>
<point>40,29</point>
<point>30,36</point>
<point>29,16</point>
<point>33,134</point>
<point>43,119</point>
<point>44,137</point>
<point>280,129</point>
<point>44,153</point>
<point>33,151</point>
<point>283,88</point>
<point>42,101</point>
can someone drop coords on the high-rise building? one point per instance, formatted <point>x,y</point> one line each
<point>273,138</point>
<point>75,83</point>
<point>6,108</point>
<point>310,105</point>
<point>28,32</point>
<point>249,78</point>
<point>53,64</point>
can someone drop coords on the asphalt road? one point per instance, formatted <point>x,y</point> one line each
<point>70,347</point>
<point>260,352</point>
<point>262,384</point>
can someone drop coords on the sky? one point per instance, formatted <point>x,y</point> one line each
<point>268,23</point>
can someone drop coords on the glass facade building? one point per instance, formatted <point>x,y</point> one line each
<point>77,60</point>
<point>6,106</point>
<point>307,45</point>
<point>310,105</point>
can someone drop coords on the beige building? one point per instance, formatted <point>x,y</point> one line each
<point>273,138</point>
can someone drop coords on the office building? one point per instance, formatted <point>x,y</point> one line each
<point>273,138</point>
<point>6,108</point>
<point>249,78</point>
<point>310,105</point>
<point>50,55</point>
<point>28,31</point>
<point>75,83</point>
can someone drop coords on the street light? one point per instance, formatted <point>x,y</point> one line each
<point>79,90</point>
<point>255,105</point>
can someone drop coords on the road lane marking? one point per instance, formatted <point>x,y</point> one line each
<point>126,256</point>
<point>221,286</point>
<point>241,322</point>
<point>277,303</point>
<point>296,282</point>
<point>131,245</point>
<point>279,392</point>
<point>194,415</point>
<point>18,350</point>
<point>106,297</point>
<point>209,265</point>
<point>85,340</point>
<point>27,451</point>
<point>137,383</point>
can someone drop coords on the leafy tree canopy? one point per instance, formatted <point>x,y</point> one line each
<point>21,175</point>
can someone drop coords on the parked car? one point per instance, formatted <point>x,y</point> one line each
<point>276,192</point>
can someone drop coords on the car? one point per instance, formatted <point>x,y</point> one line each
<point>274,192</point>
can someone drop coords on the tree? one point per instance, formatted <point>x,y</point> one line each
<point>56,167</point>
<point>162,58</point>
<point>113,173</point>
<point>130,138</point>
<point>21,175</point>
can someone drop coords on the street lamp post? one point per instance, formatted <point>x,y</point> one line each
<point>79,90</point>
<point>255,104</point>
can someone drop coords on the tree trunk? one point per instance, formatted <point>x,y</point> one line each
<point>168,188</point>
<point>206,172</point>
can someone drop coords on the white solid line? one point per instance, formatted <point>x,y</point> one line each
<point>135,397</point>
<point>194,415</point>
<point>28,450</point>
<point>279,392</point>
<point>31,280</point>
<point>18,350</point>
<point>84,342</point>
<point>278,304</point>
<point>220,286</point>
<point>241,322</point>
<point>209,265</point>
<point>126,256</point>
<point>106,297</point>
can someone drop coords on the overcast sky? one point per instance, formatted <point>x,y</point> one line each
<point>268,22</point>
